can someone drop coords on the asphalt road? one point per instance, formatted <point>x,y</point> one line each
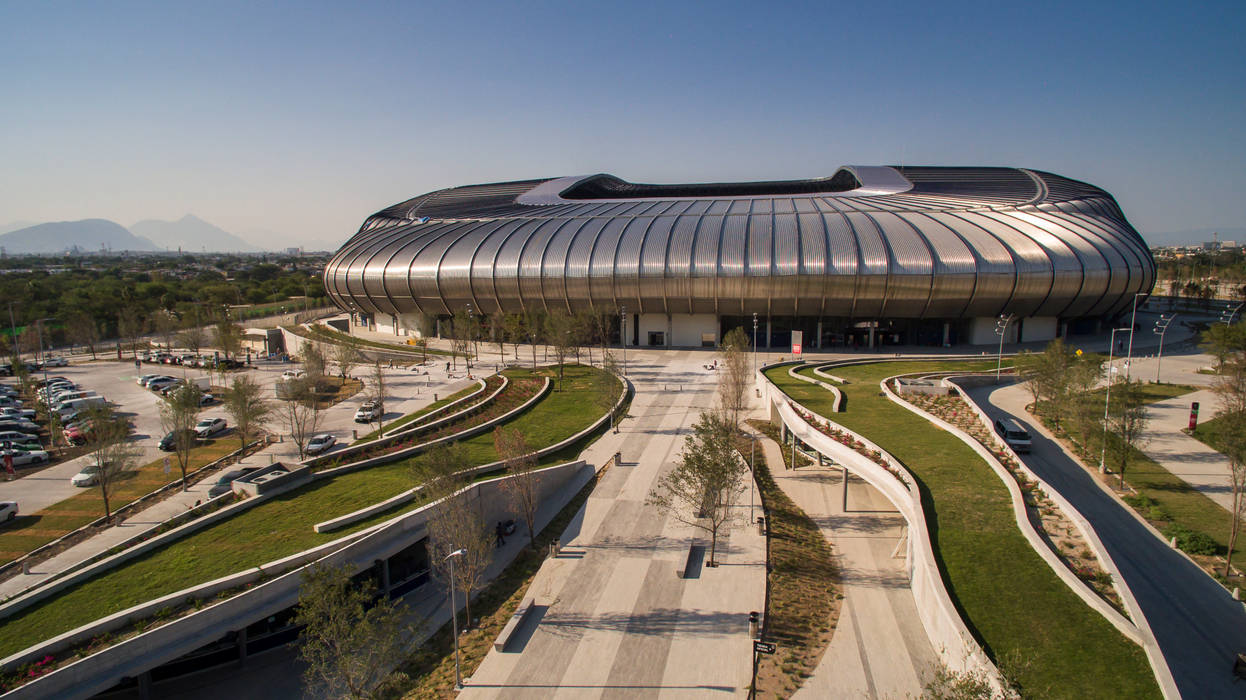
<point>1198,625</point>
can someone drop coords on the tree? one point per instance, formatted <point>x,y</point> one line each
<point>83,329</point>
<point>515,331</point>
<point>346,356</point>
<point>1224,341</point>
<point>193,337</point>
<point>461,337</point>
<point>313,361</point>
<point>606,389</point>
<point>228,336</point>
<point>1230,386</point>
<point>733,374</point>
<point>703,488</point>
<point>523,484</point>
<point>497,329</point>
<point>378,393</point>
<point>455,523</point>
<point>245,403</point>
<point>130,327</point>
<point>301,412</point>
<point>560,328</point>
<point>1127,421</point>
<point>352,638</point>
<point>109,445</point>
<point>422,344</point>
<point>165,326</point>
<point>178,414</point>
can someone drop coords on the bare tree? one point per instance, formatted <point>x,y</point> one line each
<point>346,356</point>
<point>497,330</point>
<point>165,326</point>
<point>301,412</point>
<point>523,484</point>
<point>704,487</point>
<point>515,331</point>
<point>228,337</point>
<point>1231,388</point>
<point>606,390</point>
<point>378,394</point>
<point>193,337</point>
<point>461,337</point>
<point>178,414</point>
<point>734,375</point>
<point>313,361</point>
<point>352,638</point>
<point>455,522</point>
<point>560,328</point>
<point>83,329</point>
<point>245,403</point>
<point>130,327</point>
<point>108,442</point>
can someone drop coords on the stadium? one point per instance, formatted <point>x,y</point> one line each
<point>869,257</point>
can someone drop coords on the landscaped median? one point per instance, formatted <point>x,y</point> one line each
<point>281,526</point>
<point>1034,628</point>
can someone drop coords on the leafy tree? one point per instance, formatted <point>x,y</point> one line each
<point>228,336</point>
<point>245,403</point>
<point>313,361</point>
<point>516,333</point>
<point>523,484</point>
<point>351,639</point>
<point>497,330</point>
<point>1225,341</point>
<point>561,334</point>
<point>461,337</point>
<point>1127,421</point>
<point>178,414</point>
<point>707,482</point>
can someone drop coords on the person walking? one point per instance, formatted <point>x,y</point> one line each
<point>501,531</point>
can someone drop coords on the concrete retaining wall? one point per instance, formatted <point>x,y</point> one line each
<point>839,398</point>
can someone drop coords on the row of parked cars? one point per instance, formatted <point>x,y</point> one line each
<point>164,385</point>
<point>72,405</point>
<point>19,433</point>
<point>188,359</point>
<point>6,368</point>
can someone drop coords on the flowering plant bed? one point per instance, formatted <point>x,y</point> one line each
<point>845,438</point>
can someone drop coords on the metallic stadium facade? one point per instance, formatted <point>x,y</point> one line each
<point>929,255</point>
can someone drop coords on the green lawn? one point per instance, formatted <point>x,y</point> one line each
<point>1209,432</point>
<point>1024,616</point>
<point>279,527</point>
<point>1154,393</point>
<point>399,422</point>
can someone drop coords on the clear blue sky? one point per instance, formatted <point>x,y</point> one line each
<point>303,118</point>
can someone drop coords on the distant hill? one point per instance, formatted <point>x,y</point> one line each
<point>193,235</point>
<point>15,225</point>
<point>88,235</point>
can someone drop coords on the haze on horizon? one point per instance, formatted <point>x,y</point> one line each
<point>291,122</point>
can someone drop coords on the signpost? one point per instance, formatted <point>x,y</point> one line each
<point>764,647</point>
<point>798,338</point>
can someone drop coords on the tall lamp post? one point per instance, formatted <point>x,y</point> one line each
<point>1133,318</point>
<point>454,620</point>
<point>754,344</point>
<point>1226,316</point>
<point>623,335</point>
<point>1161,327</point>
<point>1001,329</point>
<point>1107,395</point>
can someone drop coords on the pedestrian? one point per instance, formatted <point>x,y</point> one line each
<point>138,366</point>
<point>447,368</point>
<point>500,530</point>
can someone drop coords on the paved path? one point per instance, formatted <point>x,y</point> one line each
<point>1196,463</point>
<point>880,649</point>
<point>614,618</point>
<point>1196,622</point>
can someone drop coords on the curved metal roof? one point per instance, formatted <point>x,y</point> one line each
<point>868,242</point>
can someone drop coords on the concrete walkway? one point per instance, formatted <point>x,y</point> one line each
<point>613,616</point>
<point>1192,460</point>
<point>880,649</point>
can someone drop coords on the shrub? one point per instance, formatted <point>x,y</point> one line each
<point>1192,541</point>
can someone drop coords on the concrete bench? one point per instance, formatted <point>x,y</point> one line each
<point>513,624</point>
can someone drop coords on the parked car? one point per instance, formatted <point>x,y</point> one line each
<point>148,379</point>
<point>22,458</point>
<point>368,412</point>
<point>10,401</point>
<point>209,426</point>
<point>142,381</point>
<point>14,412</point>
<point>207,400</point>
<point>223,485</point>
<point>89,476</point>
<point>8,510</point>
<point>19,424</point>
<point>14,437</point>
<point>168,443</point>
<point>41,382</point>
<point>1017,437</point>
<point>320,443</point>
<point>293,374</point>
<point>6,370</point>
<point>55,361</point>
<point>161,383</point>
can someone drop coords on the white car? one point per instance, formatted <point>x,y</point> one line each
<point>12,412</point>
<point>89,476</point>
<point>209,426</point>
<point>55,361</point>
<point>8,510</point>
<point>142,381</point>
<point>22,458</point>
<point>320,443</point>
<point>293,374</point>
<point>368,412</point>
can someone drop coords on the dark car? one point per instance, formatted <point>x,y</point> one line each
<point>222,485</point>
<point>168,443</point>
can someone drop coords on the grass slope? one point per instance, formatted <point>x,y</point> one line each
<point>1026,619</point>
<point>279,527</point>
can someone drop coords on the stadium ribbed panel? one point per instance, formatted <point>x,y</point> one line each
<point>870,242</point>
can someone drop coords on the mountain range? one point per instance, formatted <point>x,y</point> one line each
<point>190,234</point>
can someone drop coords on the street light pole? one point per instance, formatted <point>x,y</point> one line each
<point>1107,395</point>
<point>754,344</point>
<point>623,335</point>
<point>454,621</point>
<point>1001,328</point>
<point>1161,327</point>
<point>1129,357</point>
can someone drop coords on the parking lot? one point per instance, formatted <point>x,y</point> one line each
<point>407,390</point>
